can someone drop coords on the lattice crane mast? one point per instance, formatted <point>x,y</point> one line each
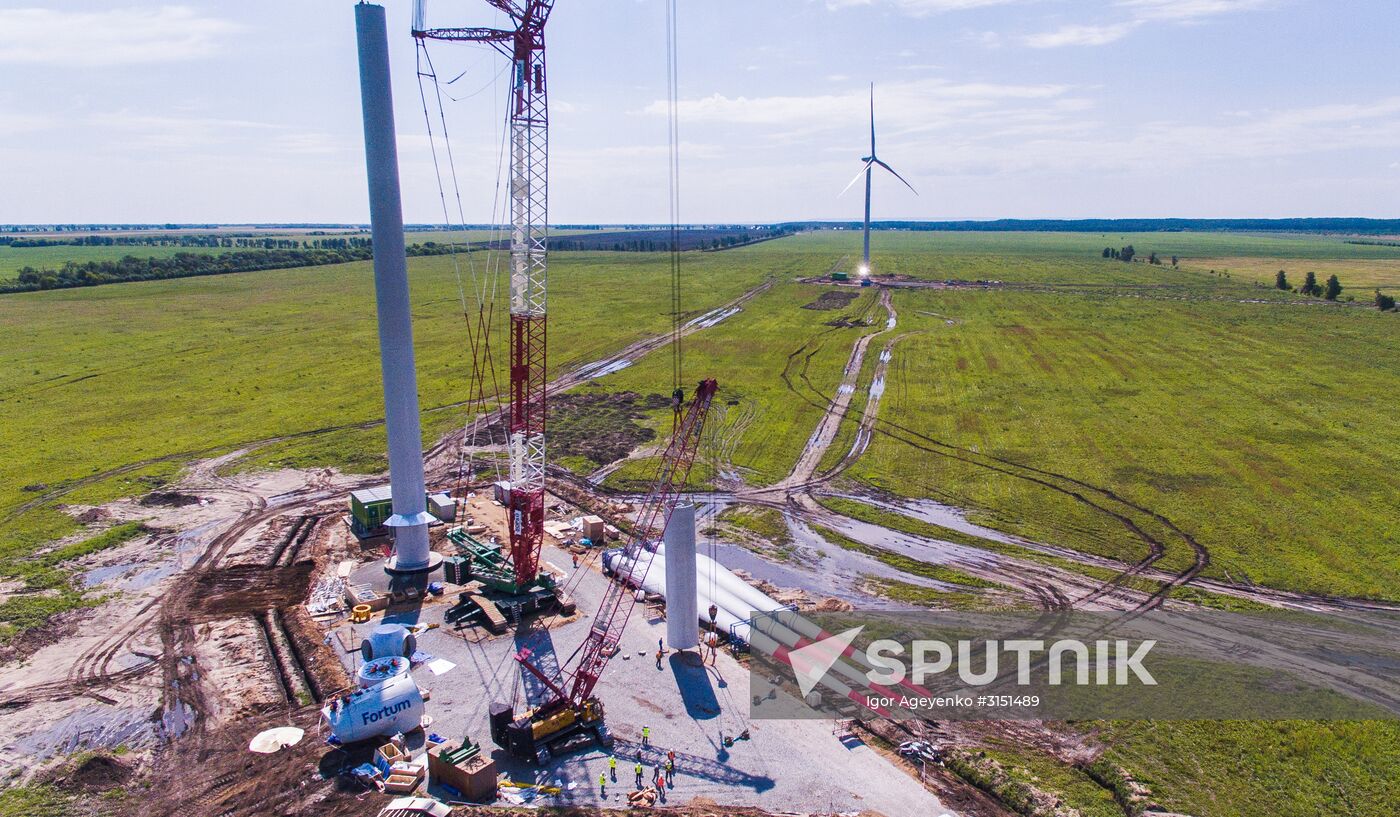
<point>529,209</point>
<point>571,707</point>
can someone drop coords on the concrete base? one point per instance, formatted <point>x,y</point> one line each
<point>434,562</point>
<point>416,578</point>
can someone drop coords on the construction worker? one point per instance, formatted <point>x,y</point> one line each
<point>612,768</point>
<point>661,645</point>
<point>658,659</point>
<point>671,769</point>
<point>603,784</point>
<point>646,740</point>
<point>639,774</point>
<point>657,778</point>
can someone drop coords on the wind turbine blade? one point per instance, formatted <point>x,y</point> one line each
<point>872,119</point>
<point>857,178</point>
<point>896,175</point>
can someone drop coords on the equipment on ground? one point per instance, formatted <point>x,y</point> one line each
<point>372,673</point>
<point>484,562</point>
<point>388,639</point>
<point>572,710</point>
<point>271,741</point>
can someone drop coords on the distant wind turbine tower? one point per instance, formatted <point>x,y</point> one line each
<point>868,170</point>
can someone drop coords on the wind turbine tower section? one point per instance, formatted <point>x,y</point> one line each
<point>412,558</point>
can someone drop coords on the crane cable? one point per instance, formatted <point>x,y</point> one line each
<point>677,354</point>
<point>484,285</point>
<point>674,205</point>
<point>674,169</point>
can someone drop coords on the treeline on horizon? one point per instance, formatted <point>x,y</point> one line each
<point>180,265</point>
<point>206,241</point>
<point>285,254</point>
<point>1361,226</point>
<point>1146,225</point>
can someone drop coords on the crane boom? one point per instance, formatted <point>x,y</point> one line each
<point>652,518</point>
<point>529,210</point>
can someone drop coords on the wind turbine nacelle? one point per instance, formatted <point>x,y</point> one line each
<point>392,706</point>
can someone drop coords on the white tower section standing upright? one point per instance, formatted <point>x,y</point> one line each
<point>682,615</point>
<point>410,518</point>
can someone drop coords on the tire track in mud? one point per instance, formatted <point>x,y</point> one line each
<point>1095,497</point>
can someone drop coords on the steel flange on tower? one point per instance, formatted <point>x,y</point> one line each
<point>529,204</point>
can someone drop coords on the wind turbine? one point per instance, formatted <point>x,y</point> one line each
<point>870,162</point>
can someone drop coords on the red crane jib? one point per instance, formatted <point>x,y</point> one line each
<point>618,601</point>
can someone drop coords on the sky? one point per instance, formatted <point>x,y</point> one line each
<point>249,111</point>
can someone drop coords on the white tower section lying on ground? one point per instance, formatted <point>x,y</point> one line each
<point>682,609</point>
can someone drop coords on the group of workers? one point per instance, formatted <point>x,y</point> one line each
<point>663,776</point>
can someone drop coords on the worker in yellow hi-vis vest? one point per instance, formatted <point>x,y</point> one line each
<point>612,768</point>
<point>646,735</point>
<point>639,775</point>
<point>603,785</point>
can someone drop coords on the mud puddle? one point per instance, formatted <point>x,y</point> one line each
<point>602,368</point>
<point>714,318</point>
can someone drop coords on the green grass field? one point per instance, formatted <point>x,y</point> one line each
<point>13,259</point>
<point>763,424</point>
<point>1075,258</point>
<point>1262,430</point>
<point>107,377</point>
<point>1257,428</point>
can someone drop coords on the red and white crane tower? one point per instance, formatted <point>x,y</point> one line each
<point>529,211</point>
<point>571,706</point>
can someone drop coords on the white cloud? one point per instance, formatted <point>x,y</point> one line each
<point>1076,144</point>
<point>911,105</point>
<point>1141,12</point>
<point>12,122</point>
<point>127,129</point>
<point>986,39</point>
<point>1188,10</point>
<point>1080,35</point>
<point>86,39</point>
<point>919,8</point>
